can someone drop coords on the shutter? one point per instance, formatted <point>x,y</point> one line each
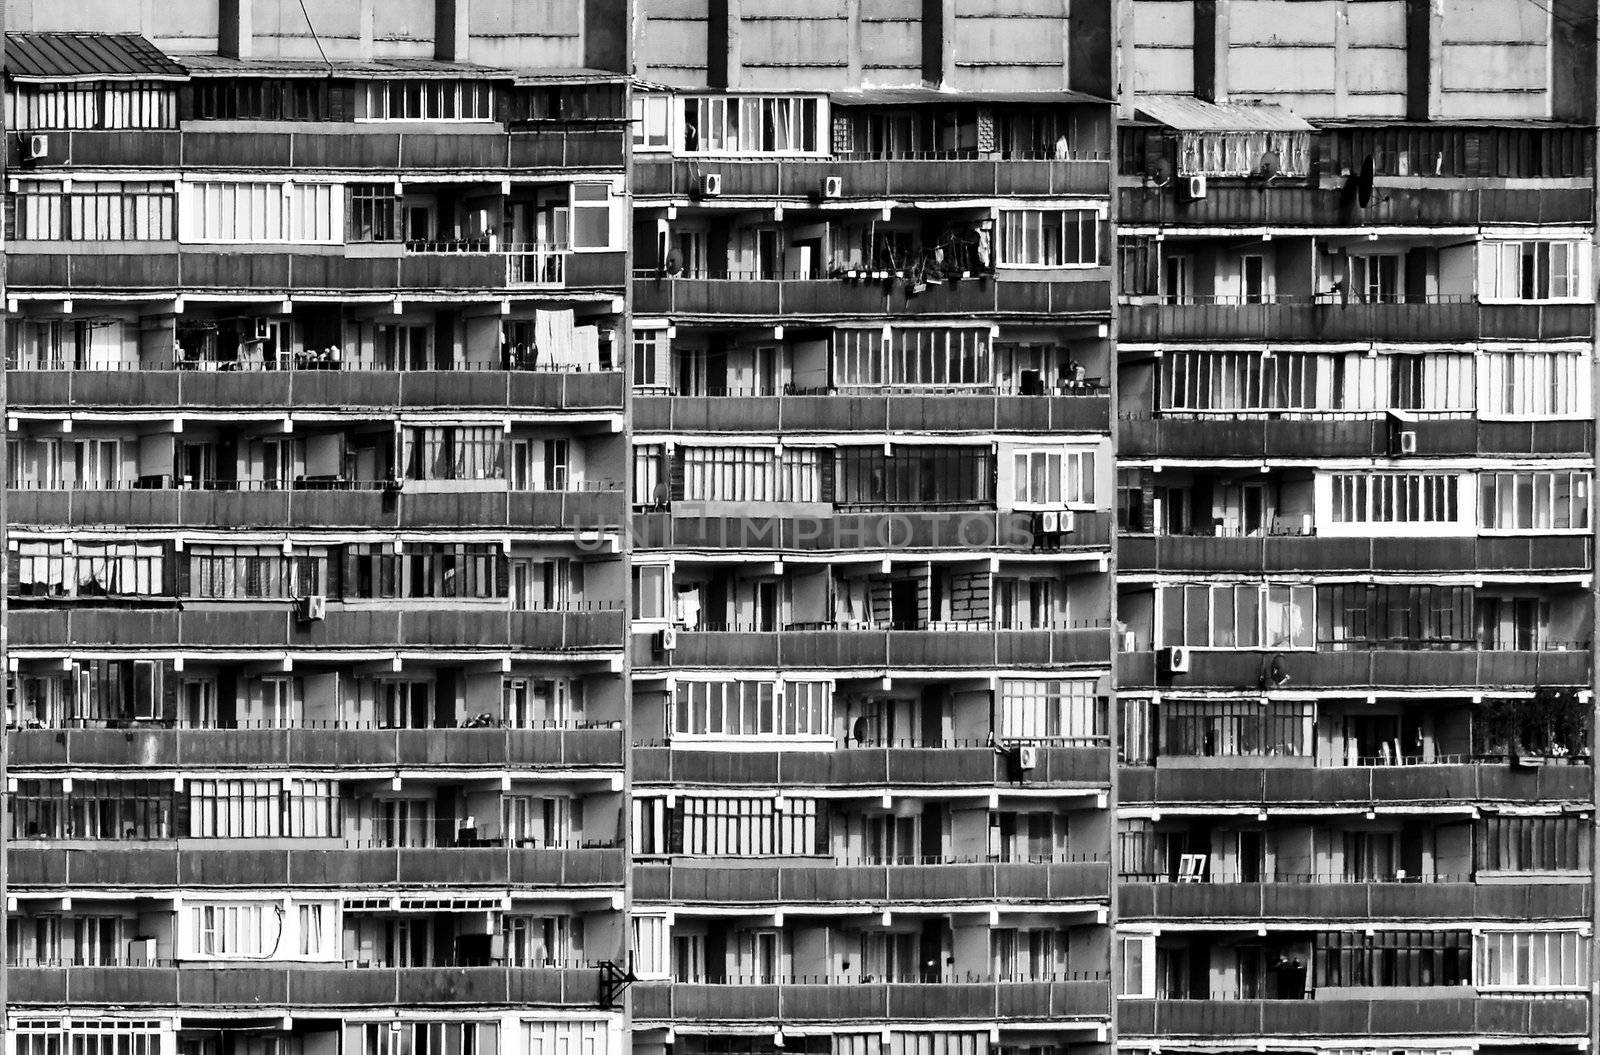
<point>169,694</point>
<point>180,813</point>
<point>348,579</point>
<point>11,217</point>
<point>824,845</point>
<point>1474,154</point>
<point>502,574</point>
<point>342,101</point>
<point>675,481</point>
<point>186,100</point>
<point>675,829</point>
<point>13,573</point>
<point>174,570</point>
<point>825,475</point>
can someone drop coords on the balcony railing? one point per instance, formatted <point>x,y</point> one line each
<point>855,1001</point>
<point>825,298</point>
<point>1248,781</point>
<point>868,767</point>
<point>1376,667</point>
<point>1330,436</point>
<point>875,179</point>
<point>1082,410</point>
<point>1310,206</point>
<point>315,748</point>
<point>1430,320</point>
<point>1312,553</point>
<point>838,648</point>
<point>971,530</point>
<point>1337,900</point>
<point>871,887</point>
<point>1450,1013</point>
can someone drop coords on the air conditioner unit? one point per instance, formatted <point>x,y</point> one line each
<point>1194,188</point>
<point>1050,521</point>
<point>1175,659</point>
<point>1405,441</point>
<point>260,329</point>
<point>1068,521</point>
<point>710,184</point>
<point>666,639</point>
<point>312,608</point>
<point>1028,757</point>
<point>38,147</point>
<point>832,187</point>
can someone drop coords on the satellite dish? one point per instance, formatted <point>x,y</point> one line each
<point>1163,171</point>
<point>1270,165</point>
<point>1364,182</point>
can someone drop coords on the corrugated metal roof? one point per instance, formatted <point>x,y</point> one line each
<point>910,94</point>
<point>87,56</point>
<point>222,66</point>
<point>1188,114</point>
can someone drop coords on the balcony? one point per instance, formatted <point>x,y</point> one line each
<point>207,985</point>
<point>1254,782</point>
<point>1332,206</point>
<point>855,1001</point>
<point>368,508</point>
<point>820,299</point>
<point>461,148</point>
<point>300,390</point>
<point>914,530</point>
<point>869,887</point>
<point>873,767</point>
<point>192,864</point>
<point>315,748</point>
<point>276,627</point>
<point>1444,1015</point>
<point>1427,322</point>
<point>875,649</point>
<point>170,269</point>
<point>874,181</point>
<point>1374,668</point>
<point>1312,553</point>
<point>1270,438</point>
<point>953,411</point>
<point>1352,901</point>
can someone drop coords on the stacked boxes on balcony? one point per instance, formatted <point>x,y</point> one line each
<point>1355,536</point>
<point>871,638</point>
<point>316,587</point>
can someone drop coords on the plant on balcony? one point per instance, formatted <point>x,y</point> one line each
<point>1553,724</point>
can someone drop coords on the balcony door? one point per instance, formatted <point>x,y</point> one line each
<point>1254,280</point>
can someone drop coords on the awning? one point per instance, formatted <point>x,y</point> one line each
<point>87,56</point>
<point>359,69</point>
<point>1188,114</point>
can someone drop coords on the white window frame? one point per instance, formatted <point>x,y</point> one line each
<point>275,212</point>
<point>1563,271</point>
<point>1531,950</point>
<point>1021,242</point>
<point>731,139</point>
<point>1068,478</point>
<point>1541,493</point>
<point>654,121</point>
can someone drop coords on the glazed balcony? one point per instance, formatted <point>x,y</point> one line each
<point>314,748</point>
<point>1342,901</point>
<point>190,863</point>
<point>855,1001</point>
<point>1332,206</point>
<point>953,411</point>
<point>874,767</point>
<point>383,390</point>
<point>1448,1014</point>
<point>1269,438</point>
<point>869,887</point>
<point>277,627</point>
<point>1276,782</point>
<point>1367,668</point>
<point>874,181</point>
<point>171,269</point>
<point>207,985</point>
<point>793,300</point>
<point>1312,553</point>
<point>913,530</point>
<point>1446,318</point>
<point>463,148</point>
<point>878,649</point>
<point>364,508</point>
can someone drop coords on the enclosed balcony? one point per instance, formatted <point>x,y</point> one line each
<point>1285,206</point>
<point>976,766</point>
<point>869,886</point>
<point>688,528</point>
<point>1269,437</point>
<point>825,1000</point>
<point>874,178</point>
<point>1358,1018</point>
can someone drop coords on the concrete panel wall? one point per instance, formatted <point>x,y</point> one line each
<point>891,41</point>
<point>670,41</point>
<point>1375,59</point>
<point>1162,54</point>
<point>1496,60</point>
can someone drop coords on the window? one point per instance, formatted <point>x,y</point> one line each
<point>222,212</point>
<point>919,476</point>
<point>233,930</point>
<point>1532,271</point>
<point>1527,384</point>
<point>752,709</point>
<point>591,216</point>
<point>374,213</point>
<point>1070,712</point>
<point>1532,960</point>
<point>1049,237</point>
<point>89,1036</point>
<point>1240,153</point>
<point>261,99</point>
<point>1528,501</point>
<point>251,572</point>
<point>250,809</point>
<point>1235,381</point>
<point>650,583</point>
<point>69,344</point>
<point>1136,968</point>
<point>432,100</point>
<point>754,124</point>
<point>92,809</point>
<point>751,474</point>
<point>1532,844</point>
<point>649,477</point>
<point>116,569</point>
<point>1356,615</point>
<point>1054,478</point>
<point>420,1038</point>
<point>454,452</point>
<point>734,827</point>
<point>652,946</point>
<point>912,357</point>
<point>652,359</point>
<point>1393,499</point>
<point>1228,728</point>
<point>1247,616</point>
<point>94,210</point>
<point>1391,958</point>
<point>652,122</point>
<point>439,570</point>
<point>124,104</point>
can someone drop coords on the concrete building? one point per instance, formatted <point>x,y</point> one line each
<point>718,527</point>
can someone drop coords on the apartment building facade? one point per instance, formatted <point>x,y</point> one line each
<point>730,529</point>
